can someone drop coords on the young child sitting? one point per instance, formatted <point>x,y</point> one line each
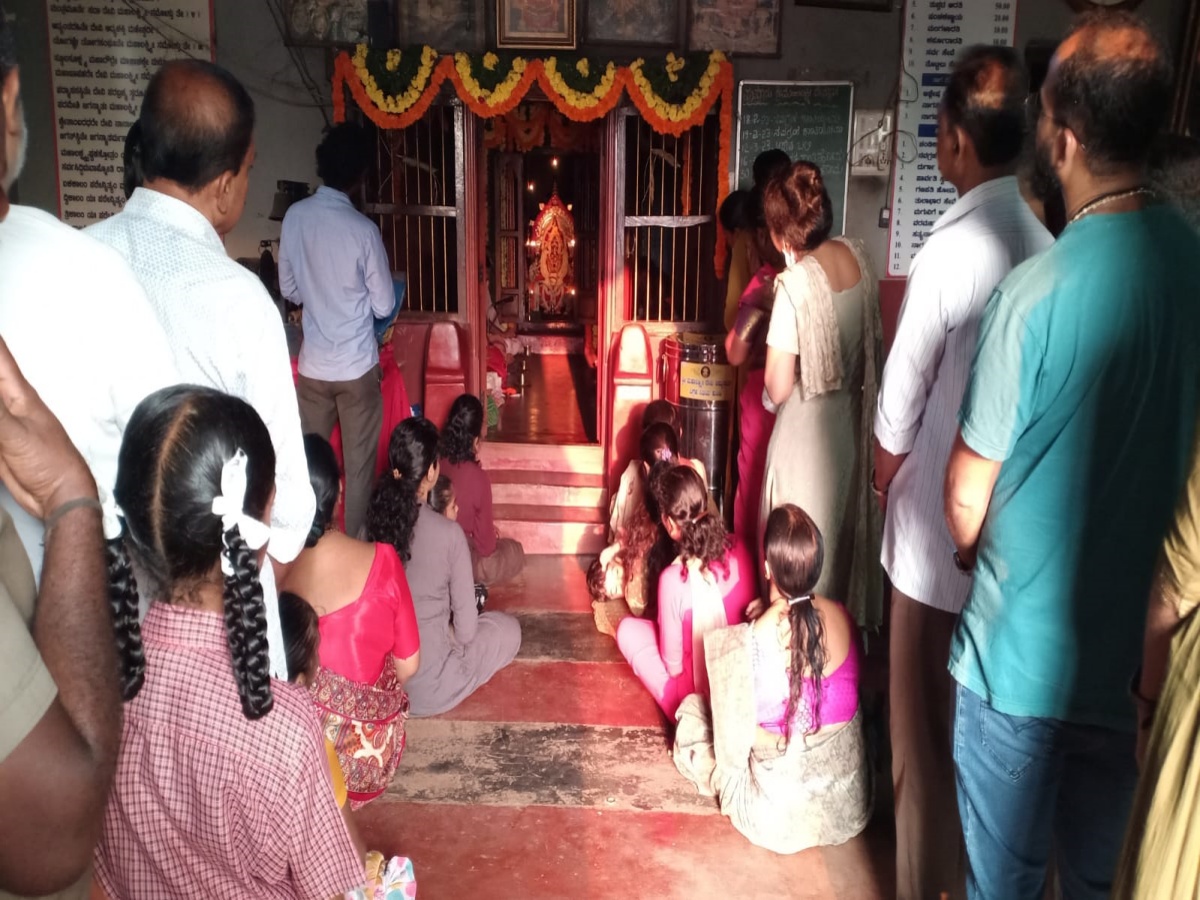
<point>779,739</point>
<point>442,500</point>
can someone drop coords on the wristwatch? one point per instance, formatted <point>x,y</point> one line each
<point>960,564</point>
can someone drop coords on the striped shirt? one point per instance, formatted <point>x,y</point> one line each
<point>207,803</point>
<point>973,246</point>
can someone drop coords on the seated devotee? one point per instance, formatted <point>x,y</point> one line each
<point>708,585</point>
<point>442,499</point>
<point>630,497</point>
<point>208,736</point>
<point>779,740</point>
<point>461,648</point>
<point>628,556</point>
<point>195,152</point>
<point>74,316</point>
<point>494,559</point>
<point>60,706</point>
<point>369,637</point>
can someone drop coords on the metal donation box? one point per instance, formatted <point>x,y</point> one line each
<point>699,382</point>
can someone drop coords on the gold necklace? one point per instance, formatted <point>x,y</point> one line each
<point>1104,199</point>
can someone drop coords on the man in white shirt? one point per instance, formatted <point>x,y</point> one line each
<point>195,154</point>
<point>332,262</point>
<point>76,320</point>
<point>988,231</point>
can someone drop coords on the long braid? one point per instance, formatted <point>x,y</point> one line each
<point>246,627</point>
<point>123,595</point>
<point>808,651</point>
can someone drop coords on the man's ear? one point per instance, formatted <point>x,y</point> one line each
<point>10,93</point>
<point>222,189</point>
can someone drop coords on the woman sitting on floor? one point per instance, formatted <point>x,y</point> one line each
<point>369,638</point>
<point>460,647</point>
<point>708,585</point>
<point>494,559</point>
<point>779,740</point>
<point>621,571</point>
<point>208,737</point>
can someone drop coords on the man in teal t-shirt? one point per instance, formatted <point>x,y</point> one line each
<point>1076,428</point>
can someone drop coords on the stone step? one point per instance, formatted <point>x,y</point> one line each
<point>577,458</point>
<point>549,494</point>
<point>555,537</point>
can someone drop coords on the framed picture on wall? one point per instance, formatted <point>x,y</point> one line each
<point>739,27</point>
<point>634,22</point>
<point>535,24</point>
<point>325,23</point>
<point>445,25</point>
<point>868,5</point>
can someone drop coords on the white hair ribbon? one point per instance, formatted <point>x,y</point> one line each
<point>111,515</point>
<point>230,506</point>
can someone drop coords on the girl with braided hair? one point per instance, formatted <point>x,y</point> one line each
<point>708,585</point>
<point>208,736</point>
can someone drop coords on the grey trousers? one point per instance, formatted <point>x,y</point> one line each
<point>358,406</point>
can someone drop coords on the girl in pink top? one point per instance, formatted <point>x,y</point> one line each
<point>369,639</point>
<point>708,586</point>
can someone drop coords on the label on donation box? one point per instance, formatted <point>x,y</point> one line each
<point>707,382</point>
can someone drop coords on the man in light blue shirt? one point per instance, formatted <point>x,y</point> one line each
<point>332,262</point>
<point>1074,439</point>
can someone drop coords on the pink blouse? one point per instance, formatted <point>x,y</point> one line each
<point>356,640</point>
<point>772,687</point>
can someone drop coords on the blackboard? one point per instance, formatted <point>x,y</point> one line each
<point>810,120</point>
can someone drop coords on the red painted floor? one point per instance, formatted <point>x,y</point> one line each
<point>555,780</point>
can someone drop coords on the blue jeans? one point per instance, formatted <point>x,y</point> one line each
<point>1027,786</point>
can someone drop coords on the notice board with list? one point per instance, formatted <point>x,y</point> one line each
<point>810,120</point>
<point>102,54</point>
<point>935,33</point>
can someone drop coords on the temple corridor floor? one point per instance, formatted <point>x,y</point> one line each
<point>556,403</point>
<point>555,780</point>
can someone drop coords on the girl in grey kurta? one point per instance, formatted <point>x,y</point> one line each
<point>460,648</point>
<point>823,356</point>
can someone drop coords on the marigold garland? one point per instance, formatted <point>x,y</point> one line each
<point>395,88</point>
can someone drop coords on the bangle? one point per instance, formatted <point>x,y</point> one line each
<point>63,509</point>
<point>961,564</point>
<point>875,489</point>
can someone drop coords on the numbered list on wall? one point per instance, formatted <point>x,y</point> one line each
<point>102,55</point>
<point>935,32</point>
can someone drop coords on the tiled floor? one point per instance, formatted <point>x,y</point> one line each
<point>555,780</point>
<point>556,403</point>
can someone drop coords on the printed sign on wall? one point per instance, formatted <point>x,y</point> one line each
<point>102,54</point>
<point>935,32</point>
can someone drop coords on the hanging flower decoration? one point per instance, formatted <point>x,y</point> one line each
<point>580,92</point>
<point>394,89</point>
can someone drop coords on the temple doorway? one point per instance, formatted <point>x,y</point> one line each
<point>542,185</point>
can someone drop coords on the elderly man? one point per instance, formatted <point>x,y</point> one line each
<point>1074,439</point>
<point>333,263</point>
<point>988,231</point>
<point>75,318</point>
<point>196,150</point>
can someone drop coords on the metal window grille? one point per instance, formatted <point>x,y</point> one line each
<point>414,191</point>
<point>670,221</point>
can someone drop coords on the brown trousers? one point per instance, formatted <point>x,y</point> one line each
<point>505,563</point>
<point>358,406</point>
<point>930,857</point>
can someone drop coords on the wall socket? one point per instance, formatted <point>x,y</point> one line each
<point>871,152</point>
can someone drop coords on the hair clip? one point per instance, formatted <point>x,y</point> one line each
<point>804,598</point>
<point>396,476</point>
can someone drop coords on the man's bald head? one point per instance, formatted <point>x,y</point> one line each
<point>985,97</point>
<point>197,123</point>
<point>1110,83</point>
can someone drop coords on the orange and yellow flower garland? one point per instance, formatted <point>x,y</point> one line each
<point>510,86</point>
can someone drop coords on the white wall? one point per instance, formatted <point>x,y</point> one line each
<point>818,44</point>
